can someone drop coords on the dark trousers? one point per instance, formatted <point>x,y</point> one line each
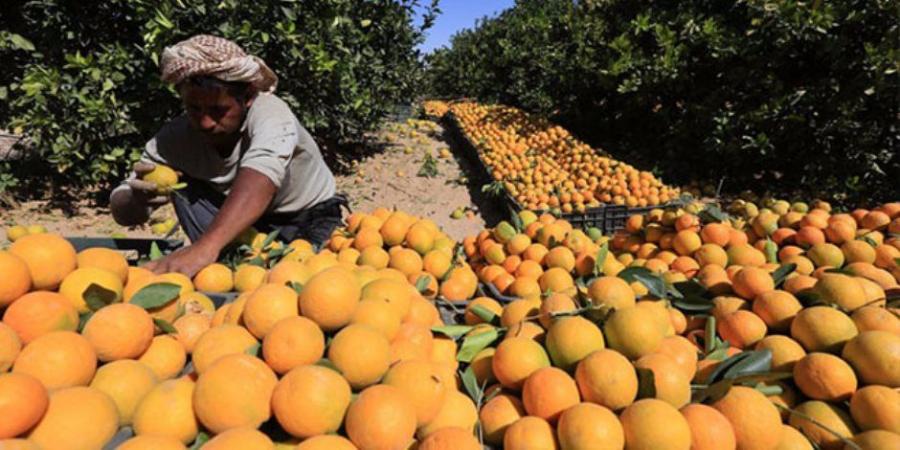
<point>198,204</point>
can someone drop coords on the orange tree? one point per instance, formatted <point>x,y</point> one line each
<point>787,96</point>
<point>81,79</point>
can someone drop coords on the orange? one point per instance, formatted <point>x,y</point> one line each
<point>422,384</point>
<point>874,355</point>
<point>556,279</point>
<point>330,298</point>
<point>710,430</point>
<point>412,342</point>
<point>792,439</point>
<point>715,233</point>
<point>682,352</point>
<point>497,415</point>
<point>152,443</point>
<point>457,410</point>
<point>671,381</point>
<point>633,332</point>
<point>165,357</point>
<point>381,418</point>
<point>106,259</point>
<point>214,278</point>
<point>842,290</point>
<point>876,407</point>
<point>754,419</point>
<point>119,331</point>
<point>828,415</point>
<point>76,283</point>
<point>450,438</point>
<point>745,255</point>
<point>555,303</point>
<point>168,410</point>
<point>240,438</point>
<point>822,376</point>
<point>560,257</point>
<point>742,329</point>
<point>519,310</point>
<point>137,277</point>
<point>750,282</point>
<point>293,342</point>
<point>777,309</point>
<point>642,421</point>
<point>266,306</point>
<point>379,315</point>
<point>284,273</point>
<point>326,442</point>
<point>588,426</point>
<point>10,346</point>
<point>49,258</point>
<point>422,312</point>
<point>190,327</point>
<point>361,353</point>
<point>76,418</point>
<point>58,359</point>
<point>234,392</point>
<point>248,277</point>
<point>407,261</point>
<point>785,351</point>
<point>530,432</point>
<point>126,382</point>
<point>516,359</point>
<point>485,302</point>
<point>548,392</point>
<point>220,341</point>
<point>38,313</point>
<point>821,328</point>
<point>611,291</point>
<point>17,278</point>
<point>311,400</point>
<point>571,339</point>
<point>607,378</point>
<point>23,401</point>
<point>875,440</point>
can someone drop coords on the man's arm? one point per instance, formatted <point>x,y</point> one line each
<point>250,196</point>
<point>133,201</point>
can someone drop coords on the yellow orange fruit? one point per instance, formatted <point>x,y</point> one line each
<point>38,313</point>
<point>293,342</point>
<point>23,401</point>
<point>607,378</point>
<point>311,400</point>
<point>240,438</point>
<point>571,339</point>
<point>248,277</point>
<point>422,384</point>
<point>77,418</point>
<point>166,357</point>
<point>17,278</point>
<point>220,341</point>
<point>611,291</point>
<point>548,392</point>
<point>59,359</point>
<point>785,351</point>
<point>671,382</point>
<point>119,331</point>
<point>326,442</point>
<point>710,430</point>
<point>755,419</point>
<point>641,422</point>
<point>777,309</point>
<point>49,258</point>
<point>875,356</point>
<point>876,407</point>
<point>380,418</point>
<point>234,392</point>
<point>821,328</point>
<point>214,278</point>
<point>497,415</point>
<point>267,305</point>
<point>530,432</point>
<point>587,426</point>
<point>126,382</point>
<point>190,327</point>
<point>633,332</point>
<point>449,439</point>
<point>361,353</point>
<point>152,443</point>
<point>457,410</point>
<point>168,410</point>
<point>517,358</point>
<point>835,419</point>
<point>330,298</point>
<point>822,376</point>
<point>742,329</point>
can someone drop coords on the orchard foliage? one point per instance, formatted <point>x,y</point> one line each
<point>81,79</point>
<point>790,95</point>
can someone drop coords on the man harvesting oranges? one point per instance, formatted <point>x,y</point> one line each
<point>245,158</point>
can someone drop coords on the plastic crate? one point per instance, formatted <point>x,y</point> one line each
<point>133,248</point>
<point>607,218</point>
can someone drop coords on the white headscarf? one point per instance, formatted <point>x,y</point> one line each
<point>217,57</point>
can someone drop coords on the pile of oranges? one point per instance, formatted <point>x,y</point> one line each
<point>772,328</point>
<point>544,168</point>
<point>435,108</point>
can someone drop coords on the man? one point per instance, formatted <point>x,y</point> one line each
<point>245,157</point>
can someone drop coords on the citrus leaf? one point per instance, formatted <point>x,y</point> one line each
<point>484,314</point>
<point>628,274</point>
<point>601,259</point>
<point>270,238</point>
<point>422,284</point>
<point>166,327</point>
<point>712,213</point>
<point>155,295</point>
<point>155,252</point>
<point>691,288</point>
<point>202,438</point>
<point>97,296</point>
<point>693,305</point>
<point>452,331</point>
<point>473,344</point>
<point>470,383</point>
<point>296,286</point>
<point>754,363</point>
<point>771,251</point>
<point>868,240</point>
<point>517,222</point>
<point>655,284</point>
<point>253,350</point>
<point>780,274</point>
<point>712,392</point>
<point>83,319</point>
<point>646,383</point>
<point>710,334</point>
<point>847,442</point>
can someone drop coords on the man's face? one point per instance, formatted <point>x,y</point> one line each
<point>213,111</point>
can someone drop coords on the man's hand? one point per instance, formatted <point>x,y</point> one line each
<point>188,260</point>
<point>145,191</point>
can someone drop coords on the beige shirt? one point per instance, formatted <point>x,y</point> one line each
<point>272,142</point>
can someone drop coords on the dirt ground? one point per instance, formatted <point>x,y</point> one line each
<point>386,173</point>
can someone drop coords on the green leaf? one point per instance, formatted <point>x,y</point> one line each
<point>710,335</point>
<point>20,42</point>
<point>712,213</point>
<point>156,295</point>
<point>780,274</point>
<point>691,288</point>
<point>202,438</point>
<point>296,286</point>
<point>771,251</point>
<point>628,274</point>
<point>517,222</point>
<point>655,284</point>
<point>484,314</point>
<point>155,252</point>
<point>473,344</point>
<point>693,304</point>
<point>601,259</point>
<point>754,363</point>
<point>646,383</point>
<point>83,319</point>
<point>270,238</point>
<point>712,392</point>
<point>166,327</point>
<point>97,296</point>
<point>868,240</point>
<point>422,284</point>
<point>453,331</point>
<point>470,383</point>
<point>253,350</point>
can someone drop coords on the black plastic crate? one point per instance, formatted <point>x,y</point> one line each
<point>133,248</point>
